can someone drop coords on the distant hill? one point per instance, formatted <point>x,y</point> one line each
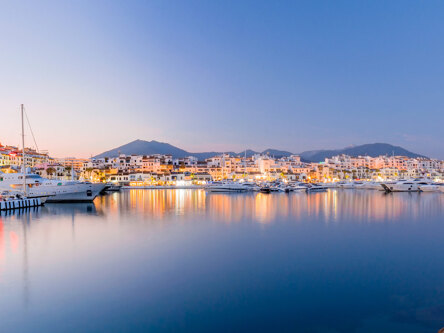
<point>270,152</point>
<point>373,149</point>
<point>277,153</point>
<point>141,147</point>
<point>203,156</point>
<point>248,153</point>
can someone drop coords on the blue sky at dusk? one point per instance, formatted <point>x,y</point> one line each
<point>223,75</point>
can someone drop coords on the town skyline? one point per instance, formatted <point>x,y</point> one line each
<point>31,145</point>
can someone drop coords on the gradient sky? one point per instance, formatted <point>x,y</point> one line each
<point>223,75</point>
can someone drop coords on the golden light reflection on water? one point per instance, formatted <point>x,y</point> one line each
<point>330,206</point>
<point>153,203</point>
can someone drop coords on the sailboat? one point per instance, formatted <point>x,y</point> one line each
<point>35,186</point>
<point>15,199</point>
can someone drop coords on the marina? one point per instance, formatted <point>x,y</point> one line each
<point>38,175</point>
<point>221,166</point>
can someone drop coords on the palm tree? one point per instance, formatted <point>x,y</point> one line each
<point>68,170</point>
<point>50,171</point>
<point>88,172</point>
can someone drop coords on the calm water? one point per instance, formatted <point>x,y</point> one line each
<point>187,261</point>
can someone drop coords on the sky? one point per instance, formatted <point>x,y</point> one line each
<point>223,75</point>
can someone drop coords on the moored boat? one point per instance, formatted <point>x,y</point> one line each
<point>34,186</point>
<point>55,190</point>
<point>251,186</point>
<point>317,188</point>
<point>371,186</point>
<point>109,187</point>
<point>434,187</point>
<point>405,185</point>
<point>225,187</point>
<point>265,189</point>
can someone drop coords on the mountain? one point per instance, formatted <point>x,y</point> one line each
<point>203,156</point>
<point>373,149</point>
<point>247,153</point>
<point>141,147</point>
<point>277,153</point>
<point>270,152</point>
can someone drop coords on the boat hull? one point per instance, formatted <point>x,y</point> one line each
<point>225,190</point>
<point>324,189</point>
<point>400,188</point>
<point>87,194</point>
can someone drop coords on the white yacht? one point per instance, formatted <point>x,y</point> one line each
<point>372,186</point>
<point>287,188</point>
<point>345,184</point>
<point>298,186</point>
<point>352,185</point>
<point>110,187</point>
<point>434,187</point>
<point>329,185</point>
<point>225,187</point>
<point>317,188</point>
<point>405,185</point>
<point>55,190</point>
<point>251,186</point>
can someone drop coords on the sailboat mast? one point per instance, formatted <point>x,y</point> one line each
<point>23,151</point>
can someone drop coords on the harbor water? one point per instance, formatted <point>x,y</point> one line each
<point>190,261</point>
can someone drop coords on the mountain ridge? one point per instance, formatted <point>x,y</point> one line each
<point>371,149</point>
<point>142,147</point>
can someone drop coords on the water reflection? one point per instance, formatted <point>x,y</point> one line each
<point>15,226</point>
<point>185,260</point>
<point>331,206</point>
<point>14,213</point>
<point>14,244</point>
